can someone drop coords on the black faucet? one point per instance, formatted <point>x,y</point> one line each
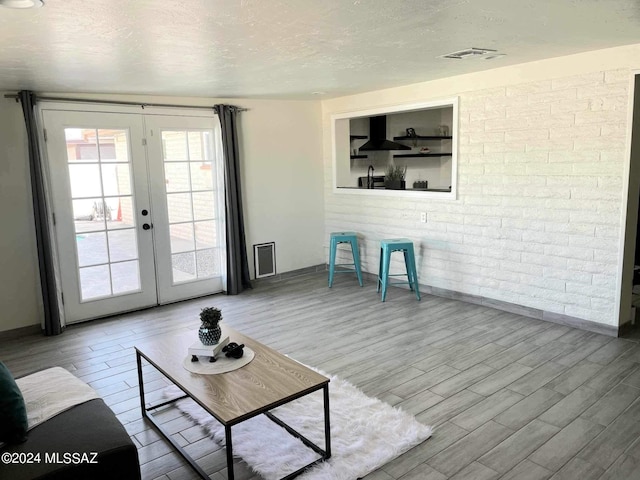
<point>370,171</point>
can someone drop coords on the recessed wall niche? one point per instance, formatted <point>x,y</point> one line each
<point>420,139</point>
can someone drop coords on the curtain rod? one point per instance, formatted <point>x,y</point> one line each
<point>117,102</point>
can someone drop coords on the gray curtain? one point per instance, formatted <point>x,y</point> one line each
<point>237,264</point>
<point>52,325</point>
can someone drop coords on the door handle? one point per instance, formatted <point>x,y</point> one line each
<point>146,226</point>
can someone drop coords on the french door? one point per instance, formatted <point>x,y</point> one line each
<point>136,209</point>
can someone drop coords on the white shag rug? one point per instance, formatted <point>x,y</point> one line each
<point>365,434</point>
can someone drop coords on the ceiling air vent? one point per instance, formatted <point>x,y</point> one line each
<point>469,53</point>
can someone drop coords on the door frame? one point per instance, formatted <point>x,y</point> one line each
<point>91,107</point>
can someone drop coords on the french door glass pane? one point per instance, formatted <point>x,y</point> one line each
<point>125,277</point>
<point>181,236</point>
<point>85,180</point>
<point>121,211</point>
<point>84,216</point>
<point>205,234</point>
<point>116,179</point>
<point>101,194</point>
<point>177,176</point>
<point>203,205</point>
<point>122,245</point>
<point>114,145</point>
<point>92,249</point>
<point>174,146</point>
<point>201,178</point>
<point>197,145</point>
<point>184,267</point>
<point>179,207</point>
<point>191,205</point>
<point>207,262</point>
<point>95,282</point>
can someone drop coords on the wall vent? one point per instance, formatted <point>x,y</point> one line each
<point>264,259</point>
<point>469,53</point>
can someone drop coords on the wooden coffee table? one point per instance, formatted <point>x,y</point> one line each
<point>268,381</point>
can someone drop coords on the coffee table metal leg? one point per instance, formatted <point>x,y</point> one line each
<point>229,447</point>
<point>327,425</point>
<point>158,427</point>
<point>141,384</point>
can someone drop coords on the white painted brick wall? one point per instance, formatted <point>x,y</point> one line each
<point>537,218</point>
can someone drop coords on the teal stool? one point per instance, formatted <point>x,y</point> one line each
<point>344,237</point>
<point>387,247</point>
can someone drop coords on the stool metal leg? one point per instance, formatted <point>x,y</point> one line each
<point>379,272</point>
<point>385,272</point>
<point>414,274</point>
<point>356,260</point>
<point>408,269</point>
<point>332,260</point>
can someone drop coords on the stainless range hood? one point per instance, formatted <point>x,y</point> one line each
<point>378,137</point>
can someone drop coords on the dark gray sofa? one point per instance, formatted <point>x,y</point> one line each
<point>85,428</point>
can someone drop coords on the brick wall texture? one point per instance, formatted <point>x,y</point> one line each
<point>537,221</point>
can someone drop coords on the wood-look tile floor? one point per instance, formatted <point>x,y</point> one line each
<point>509,397</point>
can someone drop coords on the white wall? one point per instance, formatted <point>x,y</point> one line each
<point>283,180</point>
<point>20,301</point>
<point>281,149</point>
<point>541,167</point>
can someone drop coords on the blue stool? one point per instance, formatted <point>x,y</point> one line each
<point>344,237</point>
<point>387,247</point>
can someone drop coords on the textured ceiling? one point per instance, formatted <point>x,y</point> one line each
<point>288,48</point>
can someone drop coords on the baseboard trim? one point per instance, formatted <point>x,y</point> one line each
<point>20,332</point>
<point>291,274</point>
<point>566,320</point>
<point>628,329</point>
<point>582,324</point>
